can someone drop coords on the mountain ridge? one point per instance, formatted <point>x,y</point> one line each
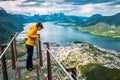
<point>13,22</point>
<point>78,20</point>
<point>110,20</point>
<point>8,26</point>
<point>57,17</point>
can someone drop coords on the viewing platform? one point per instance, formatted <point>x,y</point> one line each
<point>46,66</point>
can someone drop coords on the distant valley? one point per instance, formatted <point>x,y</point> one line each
<point>96,24</point>
<point>99,25</point>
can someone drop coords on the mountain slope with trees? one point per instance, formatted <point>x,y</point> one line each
<point>103,25</point>
<point>110,20</point>
<point>8,25</point>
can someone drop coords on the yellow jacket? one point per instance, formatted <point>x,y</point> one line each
<point>32,35</point>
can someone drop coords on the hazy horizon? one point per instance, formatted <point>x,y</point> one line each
<point>68,7</point>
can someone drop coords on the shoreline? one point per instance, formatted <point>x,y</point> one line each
<point>67,24</point>
<point>100,34</point>
<point>103,49</point>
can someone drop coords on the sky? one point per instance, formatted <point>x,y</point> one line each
<point>68,7</point>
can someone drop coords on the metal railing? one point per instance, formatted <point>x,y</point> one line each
<point>51,59</point>
<point>4,49</point>
<point>60,65</point>
<point>8,45</point>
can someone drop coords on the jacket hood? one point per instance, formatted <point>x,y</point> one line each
<point>32,27</point>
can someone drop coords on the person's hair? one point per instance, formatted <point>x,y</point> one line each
<point>39,24</point>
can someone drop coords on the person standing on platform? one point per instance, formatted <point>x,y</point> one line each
<point>30,43</point>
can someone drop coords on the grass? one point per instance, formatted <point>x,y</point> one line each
<point>103,29</point>
<point>99,72</point>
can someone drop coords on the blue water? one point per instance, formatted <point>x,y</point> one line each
<point>65,34</point>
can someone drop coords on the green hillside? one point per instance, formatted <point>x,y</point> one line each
<point>110,20</point>
<point>103,25</point>
<point>99,72</point>
<point>103,30</point>
<point>8,25</point>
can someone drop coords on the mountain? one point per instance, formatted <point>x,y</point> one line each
<point>2,11</point>
<point>103,29</point>
<point>95,16</point>
<point>60,17</point>
<point>110,20</point>
<point>103,25</point>
<point>57,17</point>
<point>8,25</point>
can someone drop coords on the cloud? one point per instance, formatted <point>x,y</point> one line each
<point>68,7</point>
<point>115,2</point>
<point>82,2</point>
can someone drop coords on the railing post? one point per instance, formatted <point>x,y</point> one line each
<point>40,52</point>
<point>4,67</point>
<point>12,53</point>
<point>74,72</point>
<point>37,71</point>
<point>49,63</point>
<point>37,51</point>
<point>15,51</point>
<point>19,74</point>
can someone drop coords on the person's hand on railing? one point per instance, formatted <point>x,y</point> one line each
<point>38,36</point>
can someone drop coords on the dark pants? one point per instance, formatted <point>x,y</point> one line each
<point>29,63</point>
